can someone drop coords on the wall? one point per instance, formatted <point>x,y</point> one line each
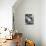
<point>6,13</point>
<point>29,31</point>
<point>43,22</point>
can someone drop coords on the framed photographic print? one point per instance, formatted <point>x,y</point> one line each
<point>29,19</point>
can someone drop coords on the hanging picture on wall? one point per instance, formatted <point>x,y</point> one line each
<point>29,19</point>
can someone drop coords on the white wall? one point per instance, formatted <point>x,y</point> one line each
<point>30,31</point>
<point>43,22</point>
<point>6,13</point>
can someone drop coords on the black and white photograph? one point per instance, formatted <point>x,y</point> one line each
<point>29,19</point>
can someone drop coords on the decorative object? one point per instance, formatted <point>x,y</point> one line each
<point>29,43</point>
<point>29,19</point>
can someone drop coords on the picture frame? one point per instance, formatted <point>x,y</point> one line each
<point>29,19</point>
